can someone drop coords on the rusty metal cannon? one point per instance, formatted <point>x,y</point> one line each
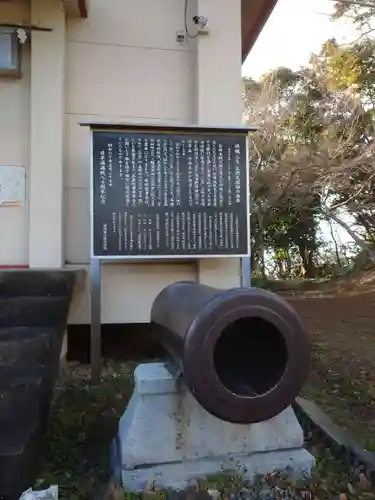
<point>243,353</point>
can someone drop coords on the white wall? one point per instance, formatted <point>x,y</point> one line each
<point>123,64</point>
<point>15,143</point>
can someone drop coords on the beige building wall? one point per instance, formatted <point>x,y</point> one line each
<point>219,101</point>
<point>123,64</point>
<point>15,144</point>
<point>47,95</point>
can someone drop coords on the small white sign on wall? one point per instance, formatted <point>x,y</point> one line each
<point>12,186</point>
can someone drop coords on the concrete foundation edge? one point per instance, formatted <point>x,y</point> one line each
<point>296,463</point>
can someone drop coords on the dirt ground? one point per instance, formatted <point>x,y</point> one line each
<point>341,320</point>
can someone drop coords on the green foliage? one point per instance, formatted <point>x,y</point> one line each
<point>313,155</point>
<point>351,67</point>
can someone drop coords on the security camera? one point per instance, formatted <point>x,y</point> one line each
<point>21,35</point>
<point>200,21</point>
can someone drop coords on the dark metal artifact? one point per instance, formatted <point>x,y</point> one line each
<point>243,353</point>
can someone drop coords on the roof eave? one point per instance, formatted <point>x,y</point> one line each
<point>75,8</point>
<point>255,14</point>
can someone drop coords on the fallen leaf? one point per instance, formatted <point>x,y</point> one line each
<point>351,489</point>
<point>363,482</point>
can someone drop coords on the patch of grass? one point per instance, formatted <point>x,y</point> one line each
<point>344,393</point>
<point>83,422</point>
<point>333,479</point>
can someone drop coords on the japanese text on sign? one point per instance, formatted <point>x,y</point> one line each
<point>165,195</point>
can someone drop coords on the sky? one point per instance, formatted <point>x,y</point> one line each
<point>295,29</point>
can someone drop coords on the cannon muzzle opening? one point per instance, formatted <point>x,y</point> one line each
<point>243,352</point>
<point>250,357</point>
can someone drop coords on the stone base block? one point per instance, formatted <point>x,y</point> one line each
<point>177,476</point>
<point>167,437</point>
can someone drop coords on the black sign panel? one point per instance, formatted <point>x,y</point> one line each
<point>160,194</point>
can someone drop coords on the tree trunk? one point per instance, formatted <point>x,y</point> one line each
<point>280,268</point>
<point>288,264</point>
<point>307,261</point>
<point>338,260</point>
<point>367,226</point>
<point>260,245</point>
<point>358,240</point>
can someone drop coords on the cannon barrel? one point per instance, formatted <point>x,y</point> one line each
<point>243,352</point>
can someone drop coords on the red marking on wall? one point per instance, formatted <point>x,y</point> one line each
<point>26,266</point>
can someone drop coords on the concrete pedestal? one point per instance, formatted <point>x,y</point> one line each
<point>167,437</point>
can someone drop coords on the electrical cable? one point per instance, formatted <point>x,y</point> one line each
<point>186,22</point>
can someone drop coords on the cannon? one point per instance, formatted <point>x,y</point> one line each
<point>243,353</point>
